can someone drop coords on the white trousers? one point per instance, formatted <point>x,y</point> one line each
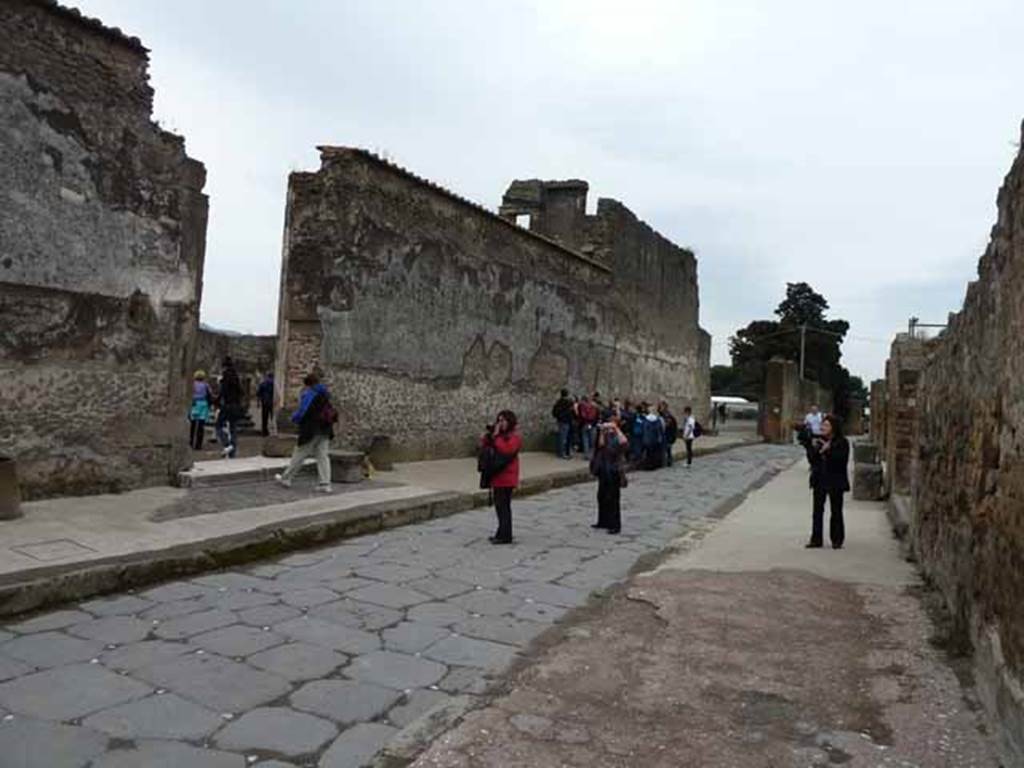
<point>316,448</point>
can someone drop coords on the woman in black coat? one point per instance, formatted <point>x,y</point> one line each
<point>829,456</point>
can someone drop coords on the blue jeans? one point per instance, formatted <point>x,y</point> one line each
<point>668,454</point>
<point>588,440</point>
<point>564,438</point>
<point>226,437</point>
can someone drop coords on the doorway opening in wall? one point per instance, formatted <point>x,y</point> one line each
<point>523,220</point>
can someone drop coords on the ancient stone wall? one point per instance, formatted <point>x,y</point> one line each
<point>102,231</point>
<point>969,484</point>
<point>902,376</point>
<point>428,313</point>
<point>788,399</point>
<point>879,410</point>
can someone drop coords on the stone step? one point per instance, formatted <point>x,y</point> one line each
<point>346,467</point>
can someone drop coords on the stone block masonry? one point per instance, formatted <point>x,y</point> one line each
<point>428,313</point>
<point>102,234</point>
<point>968,511</point>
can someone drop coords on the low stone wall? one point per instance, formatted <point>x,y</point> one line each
<point>968,491</point>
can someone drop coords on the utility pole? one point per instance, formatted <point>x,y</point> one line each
<point>803,340</point>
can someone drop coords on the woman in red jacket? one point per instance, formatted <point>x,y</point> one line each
<point>506,442</point>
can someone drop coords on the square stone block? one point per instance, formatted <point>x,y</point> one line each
<point>67,693</point>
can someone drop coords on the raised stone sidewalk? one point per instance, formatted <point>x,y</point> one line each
<point>72,548</point>
<point>325,656</point>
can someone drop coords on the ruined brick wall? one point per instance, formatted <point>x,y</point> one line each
<point>428,314</point>
<point>102,230</point>
<point>788,399</point>
<point>969,489</point>
<point>902,375</point>
<point>879,410</point>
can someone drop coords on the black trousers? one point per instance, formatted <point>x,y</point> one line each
<point>689,451</point>
<point>609,503</point>
<point>836,526</point>
<point>503,508</point>
<point>197,431</point>
<point>266,412</point>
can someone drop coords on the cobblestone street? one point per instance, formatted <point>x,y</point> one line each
<point>319,658</point>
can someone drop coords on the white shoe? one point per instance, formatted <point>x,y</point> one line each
<point>226,452</point>
<point>324,489</point>
<point>282,481</point>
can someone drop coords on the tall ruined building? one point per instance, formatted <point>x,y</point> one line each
<point>428,313</point>
<point>102,231</point>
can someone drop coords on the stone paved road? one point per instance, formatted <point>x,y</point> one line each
<point>318,658</point>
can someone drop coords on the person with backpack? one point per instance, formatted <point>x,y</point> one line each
<point>265,398</point>
<point>315,417</point>
<point>499,470</point>
<point>230,409</point>
<point>588,416</point>
<point>671,430</point>
<point>562,412</point>
<point>608,466</point>
<point>199,414</point>
<point>654,441</point>
<point>691,431</point>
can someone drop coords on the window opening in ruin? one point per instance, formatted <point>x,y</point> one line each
<point>523,220</point>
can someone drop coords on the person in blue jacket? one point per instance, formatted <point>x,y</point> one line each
<point>315,418</point>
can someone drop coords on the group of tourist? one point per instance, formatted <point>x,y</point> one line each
<point>227,397</point>
<point>651,431</point>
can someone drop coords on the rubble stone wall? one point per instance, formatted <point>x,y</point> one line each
<point>102,231</point>
<point>902,375</point>
<point>969,481</point>
<point>428,313</point>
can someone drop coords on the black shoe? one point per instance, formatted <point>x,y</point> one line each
<point>496,540</point>
<point>837,546</point>
<point>598,525</point>
<point>613,531</point>
<point>812,545</point>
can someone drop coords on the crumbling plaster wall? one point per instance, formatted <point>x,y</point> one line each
<point>102,232</point>
<point>969,480</point>
<point>428,314</point>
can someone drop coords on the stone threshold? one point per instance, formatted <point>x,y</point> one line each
<point>260,533</point>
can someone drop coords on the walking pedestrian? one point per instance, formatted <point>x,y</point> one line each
<point>829,455</point>
<point>654,441</point>
<point>315,417</point>
<point>562,411</point>
<point>265,398</point>
<point>230,409</point>
<point>691,431</point>
<point>608,466</point>
<point>671,430</point>
<point>199,414</point>
<point>636,434</point>
<point>503,475</point>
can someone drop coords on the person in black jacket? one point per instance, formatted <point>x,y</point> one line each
<point>828,455</point>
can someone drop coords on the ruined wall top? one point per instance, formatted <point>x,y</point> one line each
<point>75,16</point>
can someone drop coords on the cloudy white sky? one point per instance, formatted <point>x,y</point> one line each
<point>856,146</point>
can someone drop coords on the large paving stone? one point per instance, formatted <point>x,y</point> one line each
<point>501,629</point>
<point>389,596</point>
<point>552,594</point>
<point>354,613</point>
<point>238,601</point>
<point>116,606</point>
<point>298,661</point>
<point>26,743</point>
<point>5,636</point>
<point>414,705</point>
<point>50,649</point>
<point>356,747</point>
<point>268,615</point>
<point>237,640</point>
<point>144,654</point>
<point>67,693</point>
<point>164,716</point>
<point>439,614</point>
<point>487,579</point>
<point>487,602</point>
<point>344,701</point>
<point>169,754</point>
<point>348,583</point>
<point>173,609</point>
<point>279,730</point>
<point>13,668</point>
<point>234,581</point>
<point>393,573</point>
<point>118,630</point>
<point>307,598</point>
<point>395,670</point>
<point>178,590</point>
<point>48,622</point>
<point>412,636</point>
<point>194,624</point>
<point>220,684</point>
<point>440,589</point>
<point>333,636</point>
<point>540,612</point>
<point>470,652</point>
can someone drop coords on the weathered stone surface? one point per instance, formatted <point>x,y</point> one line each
<point>486,602</point>
<point>470,652</point>
<point>307,598</point>
<point>501,629</point>
<point>268,615</point>
<point>104,226</point>
<point>164,716</point>
<point>865,453</point>
<point>867,482</point>
<point>415,705</point>
<point>117,606</point>
<point>389,596</point>
<point>334,636</point>
<point>193,624</point>
<point>298,661</point>
<point>395,670</point>
<point>440,614</point>
<point>143,654</point>
<point>277,729</point>
<point>69,692</point>
<point>237,640</point>
<point>49,622</point>
<point>411,636</point>
<point>354,613</point>
<point>343,701</point>
<point>50,649</point>
<point>118,630</point>
<point>168,754</point>
<point>357,746</point>
<point>28,743</point>
<point>353,305</point>
<point>220,684</point>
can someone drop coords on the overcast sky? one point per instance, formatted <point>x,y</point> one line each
<point>855,146</point>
